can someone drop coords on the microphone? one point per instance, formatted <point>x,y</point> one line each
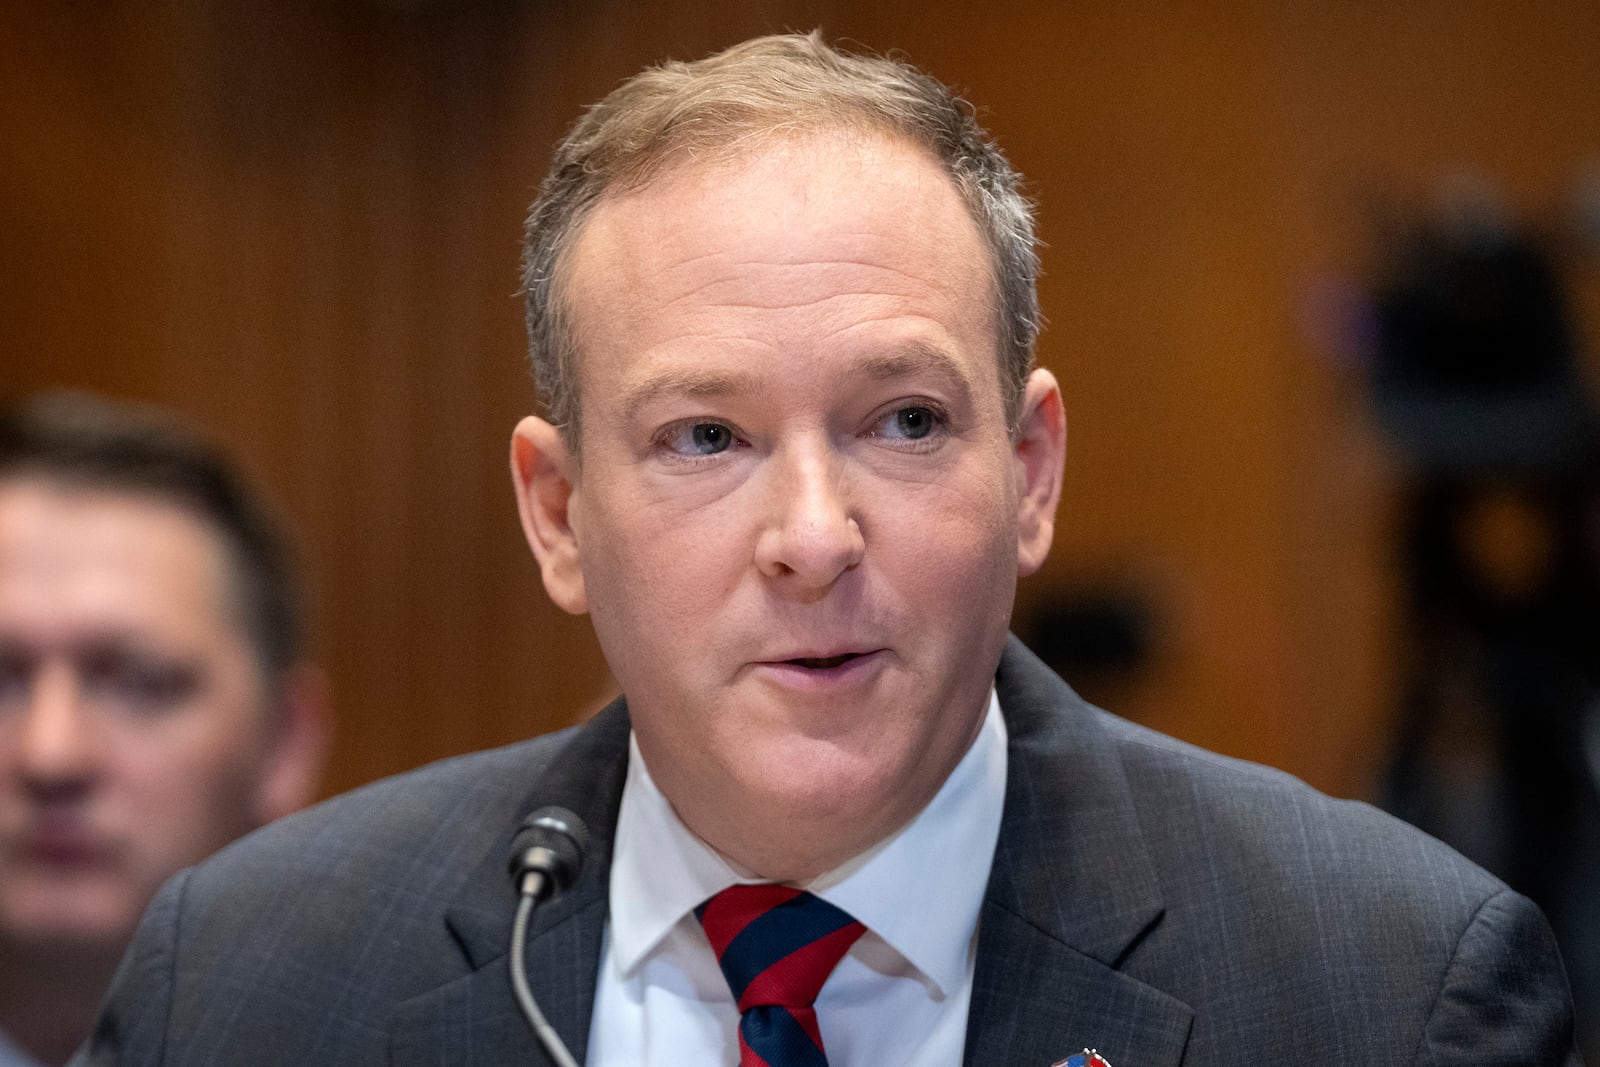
<point>547,853</point>
<point>546,856</point>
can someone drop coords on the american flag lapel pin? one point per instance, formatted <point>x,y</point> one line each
<point>1087,1058</point>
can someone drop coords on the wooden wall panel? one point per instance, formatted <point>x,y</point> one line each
<point>298,223</point>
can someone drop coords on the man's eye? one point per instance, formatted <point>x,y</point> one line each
<point>699,438</point>
<point>139,684</point>
<point>908,423</point>
<point>16,678</point>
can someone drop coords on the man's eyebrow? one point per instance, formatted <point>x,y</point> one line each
<point>690,382</point>
<point>916,358</point>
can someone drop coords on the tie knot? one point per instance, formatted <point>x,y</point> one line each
<point>776,945</point>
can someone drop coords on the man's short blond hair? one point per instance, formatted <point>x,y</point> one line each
<point>721,107</point>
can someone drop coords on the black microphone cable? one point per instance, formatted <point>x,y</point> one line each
<point>546,855</point>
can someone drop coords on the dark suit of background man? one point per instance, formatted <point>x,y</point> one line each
<point>155,702</point>
<point>782,310</point>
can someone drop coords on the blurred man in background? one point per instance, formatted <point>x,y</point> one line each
<point>154,700</point>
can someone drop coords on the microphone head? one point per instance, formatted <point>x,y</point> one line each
<point>551,842</point>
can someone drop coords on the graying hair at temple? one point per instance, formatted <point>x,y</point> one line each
<point>715,109</point>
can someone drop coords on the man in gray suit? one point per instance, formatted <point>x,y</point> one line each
<point>796,455</point>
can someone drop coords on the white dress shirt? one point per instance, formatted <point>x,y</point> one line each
<point>899,996</point>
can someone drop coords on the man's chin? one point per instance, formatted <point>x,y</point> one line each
<point>831,810</point>
<point>71,925</point>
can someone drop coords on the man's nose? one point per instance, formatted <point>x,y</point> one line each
<point>56,746</point>
<point>814,533</point>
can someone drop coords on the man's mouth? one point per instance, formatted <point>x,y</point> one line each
<point>62,850</point>
<point>824,662</point>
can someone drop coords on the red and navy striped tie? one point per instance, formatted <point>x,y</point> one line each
<point>777,946</point>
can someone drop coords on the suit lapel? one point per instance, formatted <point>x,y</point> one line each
<point>475,1011</point>
<point>1041,1000</point>
<point>1071,891</point>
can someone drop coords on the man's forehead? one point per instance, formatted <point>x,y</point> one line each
<point>93,513</point>
<point>80,551</point>
<point>699,232</point>
<point>615,263</point>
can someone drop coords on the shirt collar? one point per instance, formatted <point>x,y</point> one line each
<point>661,871</point>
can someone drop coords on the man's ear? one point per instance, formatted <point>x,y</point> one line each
<point>545,473</point>
<point>297,743</point>
<point>1041,455</point>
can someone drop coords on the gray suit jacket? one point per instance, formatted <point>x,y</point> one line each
<point>1159,903</point>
